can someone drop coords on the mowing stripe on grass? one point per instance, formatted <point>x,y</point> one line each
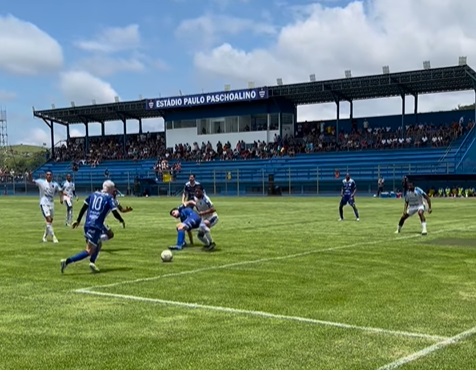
<point>431,349</point>
<point>270,259</point>
<point>263,314</point>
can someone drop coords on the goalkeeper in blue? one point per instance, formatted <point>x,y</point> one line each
<point>189,220</point>
<point>415,203</point>
<point>349,188</point>
<point>99,204</point>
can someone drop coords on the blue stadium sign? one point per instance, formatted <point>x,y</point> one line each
<point>231,96</point>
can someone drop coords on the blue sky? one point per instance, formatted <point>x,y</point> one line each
<point>57,52</point>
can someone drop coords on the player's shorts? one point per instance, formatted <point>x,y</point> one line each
<point>213,220</point>
<point>47,210</point>
<point>347,199</point>
<point>67,201</point>
<point>92,235</point>
<point>414,209</point>
<point>192,223</point>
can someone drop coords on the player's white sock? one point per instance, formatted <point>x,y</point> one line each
<point>423,226</point>
<point>49,230</point>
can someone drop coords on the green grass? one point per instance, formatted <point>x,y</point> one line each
<point>281,265</point>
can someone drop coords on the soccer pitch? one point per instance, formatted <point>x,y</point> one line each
<point>289,287</point>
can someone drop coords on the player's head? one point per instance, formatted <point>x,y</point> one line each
<point>108,187</point>
<point>347,176</point>
<point>199,192</point>
<point>49,176</point>
<point>68,177</point>
<point>175,213</point>
<point>411,186</point>
<point>191,178</point>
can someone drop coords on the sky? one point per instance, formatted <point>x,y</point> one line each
<point>56,52</point>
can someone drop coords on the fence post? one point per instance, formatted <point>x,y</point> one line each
<point>317,180</point>
<point>289,177</point>
<point>394,177</point>
<point>214,182</point>
<point>238,182</point>
<point>262,176</point>
<point>13,182</point>
<point>91,181</point>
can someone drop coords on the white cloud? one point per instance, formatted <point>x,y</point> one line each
<point>26,49</point>
<point>6,95</point>
<point>82,87</point>
<point>361,36</point>
<point>101,65</point>
<point>113,39</point>
<point>211,28</point>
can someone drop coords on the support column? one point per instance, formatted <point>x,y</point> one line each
<point>68,136</point>
<point>52,133</point>
<point>415,111</point>
<point>124,123</point>
<point>103,129</point>
<point>140,126</point>
<point>351,110</point>
<point>86,139</point>
<point>403,113</point>
<point>337,120</point>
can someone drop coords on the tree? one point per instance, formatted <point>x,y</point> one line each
<point>465,107</point>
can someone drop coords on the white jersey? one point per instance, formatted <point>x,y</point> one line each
<point>69,189</point>
<point>204,204</point>
<point>48,190</point>
<point>415,198</point>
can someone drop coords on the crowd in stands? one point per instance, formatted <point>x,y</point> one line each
<point>312,138</point>
<point>9,175</point>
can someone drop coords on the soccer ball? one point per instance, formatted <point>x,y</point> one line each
<point>167,255</point>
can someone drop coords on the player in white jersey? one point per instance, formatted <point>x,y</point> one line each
<point>207,212</point>
<point>415,199</point>
<point>48,189</point>
<point>69,192</point>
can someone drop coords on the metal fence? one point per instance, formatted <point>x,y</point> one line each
<point>246,180</point>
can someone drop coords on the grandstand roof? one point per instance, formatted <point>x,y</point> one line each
<point>427,81</point>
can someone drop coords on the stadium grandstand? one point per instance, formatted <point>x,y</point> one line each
<point>250,142</point>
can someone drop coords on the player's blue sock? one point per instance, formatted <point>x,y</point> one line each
<point>180,237</point>
<point>94,256</point>
<point>341,211</point>
<point>356,211</point>
<point>77,257</point>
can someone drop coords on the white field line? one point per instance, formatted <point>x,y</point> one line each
<point>430,349</point>
<point>262,314</point>
<point>270,259</point>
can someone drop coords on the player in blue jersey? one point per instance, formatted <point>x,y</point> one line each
<point>99,204</point>
<point>349,188</point>
<point>188,194</point>
<point>415,203</point>
<point>189,219</point>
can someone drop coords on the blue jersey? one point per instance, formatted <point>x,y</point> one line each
<point>99,206</point>
<point>189,217</point>
<point>348,187</point>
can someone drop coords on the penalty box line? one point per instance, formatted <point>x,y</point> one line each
<point>264,260</point>
<point>430,349</point>
<point>263,314</point>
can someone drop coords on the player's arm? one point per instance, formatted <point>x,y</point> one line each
<point>118,217</point>
<point>124,209</point>
<point>61,194</point>
<point>428,200</point>
<point>189,203</point>
<point>354,190</point>
<point>83,210</point>
<point>207,211</point>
